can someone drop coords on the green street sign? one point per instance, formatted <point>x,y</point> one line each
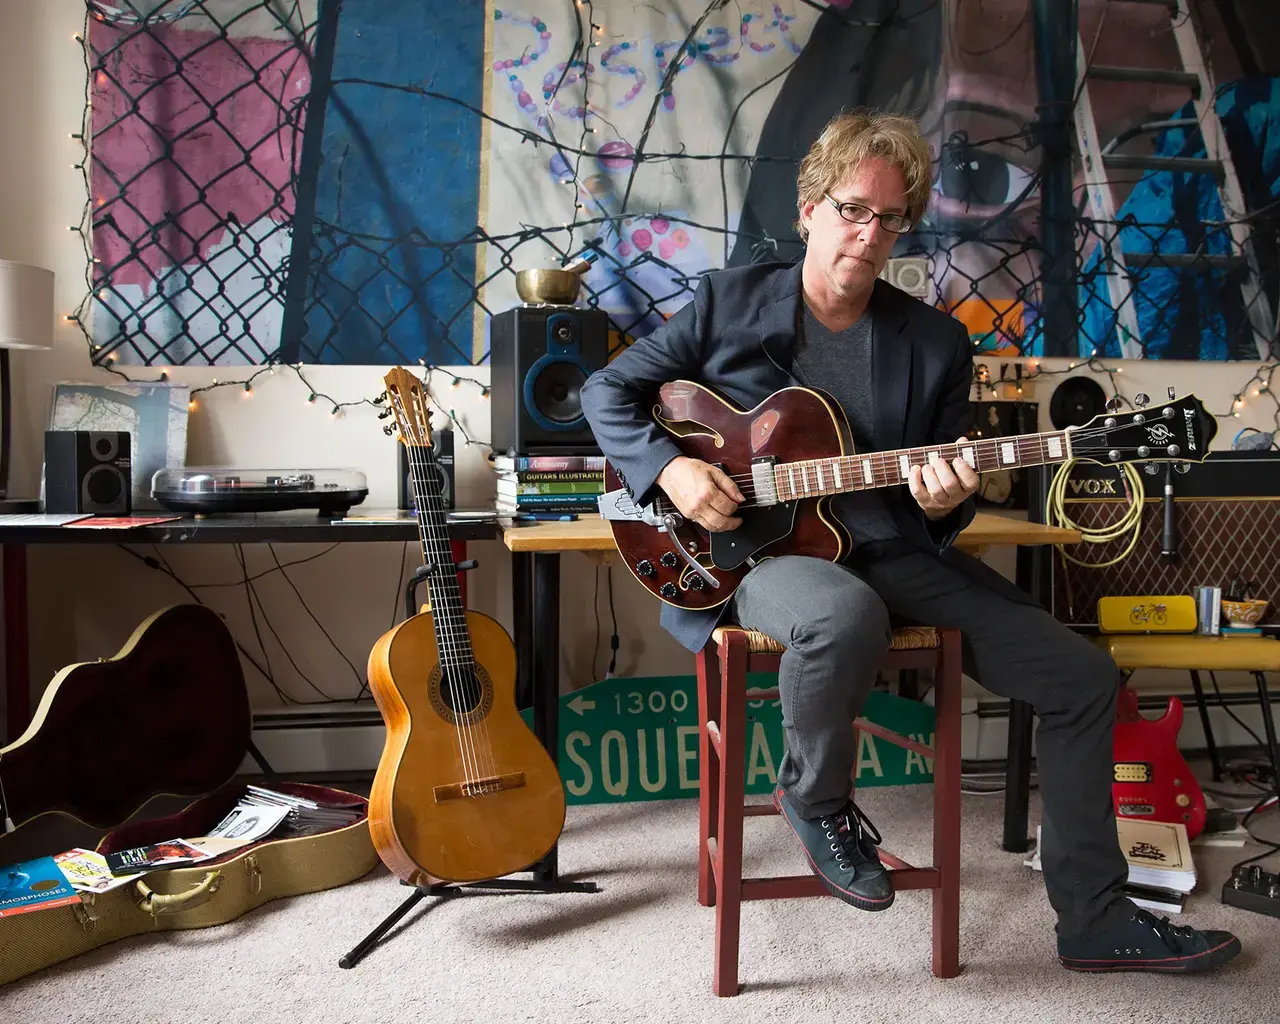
<point>628,739</point>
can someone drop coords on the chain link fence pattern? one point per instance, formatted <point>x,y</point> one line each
<point>178,85</point>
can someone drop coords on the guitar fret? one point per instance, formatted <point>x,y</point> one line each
<point>813,477</point>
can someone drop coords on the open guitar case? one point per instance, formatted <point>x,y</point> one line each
<point>167,716</point>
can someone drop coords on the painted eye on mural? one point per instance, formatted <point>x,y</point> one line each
<point>969,176</point>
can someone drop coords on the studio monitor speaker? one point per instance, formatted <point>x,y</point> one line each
<point>539,358</point>
<point>442,445</point>
<point>88,472</point>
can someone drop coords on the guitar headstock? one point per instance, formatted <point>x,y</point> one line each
<point>1178,430</point>
<point>407,399</point>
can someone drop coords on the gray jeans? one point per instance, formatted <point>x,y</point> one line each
<point>835,622</point>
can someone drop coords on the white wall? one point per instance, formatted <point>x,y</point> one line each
<point>86,600</point>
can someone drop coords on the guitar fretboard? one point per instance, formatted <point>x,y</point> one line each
<point>816,477</point>
<point>452,636</point>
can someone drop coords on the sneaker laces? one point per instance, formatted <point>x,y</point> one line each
<point>847,829</point>
<point>1165,930</point>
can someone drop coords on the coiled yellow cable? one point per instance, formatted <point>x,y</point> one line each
<point>1055,514</point>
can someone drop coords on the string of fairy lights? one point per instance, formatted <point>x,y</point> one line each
<point>1259,386</point>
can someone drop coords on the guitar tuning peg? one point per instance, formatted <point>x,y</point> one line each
<point>1114,403</point>
<point>1141,400</point>
<point>1182,467</point>
<point>388,430</point>
<point>1171,394</point>
<point>1151,469</point>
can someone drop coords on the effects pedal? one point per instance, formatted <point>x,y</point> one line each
<point>1252,888</point>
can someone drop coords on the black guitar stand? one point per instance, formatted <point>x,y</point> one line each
<point>545,878</point>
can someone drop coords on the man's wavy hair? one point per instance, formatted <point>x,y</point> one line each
<point>850,138</point>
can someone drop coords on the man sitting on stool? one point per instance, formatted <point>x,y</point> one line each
<point>901,370</point>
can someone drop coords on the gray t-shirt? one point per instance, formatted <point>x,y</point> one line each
<point>839,363</point>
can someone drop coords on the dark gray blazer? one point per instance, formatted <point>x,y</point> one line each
<point>737,336</point>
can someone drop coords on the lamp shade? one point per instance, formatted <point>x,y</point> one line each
<point>26,306</point>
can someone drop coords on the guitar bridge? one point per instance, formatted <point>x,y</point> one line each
<point>479,787</point>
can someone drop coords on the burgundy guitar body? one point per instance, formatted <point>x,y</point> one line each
<point>792,424</point>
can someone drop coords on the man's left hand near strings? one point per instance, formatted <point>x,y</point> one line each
<point>940,487</point>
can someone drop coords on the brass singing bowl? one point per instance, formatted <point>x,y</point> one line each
<point>558,287</point>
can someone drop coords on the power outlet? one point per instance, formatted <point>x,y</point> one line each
<point>1252,888</point>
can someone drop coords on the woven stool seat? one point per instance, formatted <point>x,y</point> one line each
<point>908,638</point>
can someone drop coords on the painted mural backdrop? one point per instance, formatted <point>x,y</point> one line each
<point>357,182</point>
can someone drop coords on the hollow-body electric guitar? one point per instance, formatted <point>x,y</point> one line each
<point>793,451</point>
<point>464,791</point>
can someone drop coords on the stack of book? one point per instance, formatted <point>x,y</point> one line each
<point>548,483</point>
<point>1161,869</point>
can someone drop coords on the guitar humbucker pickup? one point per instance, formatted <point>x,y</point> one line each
<point>1133,771</point>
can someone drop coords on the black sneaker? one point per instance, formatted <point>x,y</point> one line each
<point>1144,942</point>
<point>841,850</point>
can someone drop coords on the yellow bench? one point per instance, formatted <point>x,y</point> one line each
<point>1194,653</point>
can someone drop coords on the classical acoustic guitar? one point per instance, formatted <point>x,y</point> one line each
<point>793,451</point>
<point>464,791</point>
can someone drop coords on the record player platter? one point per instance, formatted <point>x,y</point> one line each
<point>204,490</point>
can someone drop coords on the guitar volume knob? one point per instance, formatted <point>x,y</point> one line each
<point>669,559</point>
<point>644,567</point>
<point>667,590</point>
<point>696,582</point>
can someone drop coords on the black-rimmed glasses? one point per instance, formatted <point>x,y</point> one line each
<point>898,223</point>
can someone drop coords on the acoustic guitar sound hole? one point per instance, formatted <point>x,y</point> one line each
<point>461,695</point>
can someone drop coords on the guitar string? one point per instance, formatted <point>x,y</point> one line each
<point>882,463</point>
<point>1081,434</point>
<point>449,647</point>
<point>450,634</point>
<point>448,655</point>
<point>463,667</point>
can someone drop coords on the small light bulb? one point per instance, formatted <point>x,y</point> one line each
<point>191,404</point>
<point>312,398</point>
<point>248,389</point>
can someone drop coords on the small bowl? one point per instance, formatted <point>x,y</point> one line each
<point>1244,613</point>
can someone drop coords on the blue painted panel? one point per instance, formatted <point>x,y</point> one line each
<point>400,176</point>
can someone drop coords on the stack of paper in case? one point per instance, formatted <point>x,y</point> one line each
<point>548,483</point>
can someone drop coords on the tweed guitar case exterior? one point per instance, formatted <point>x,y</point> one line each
<point>180,668</point>
<point>201,895</point>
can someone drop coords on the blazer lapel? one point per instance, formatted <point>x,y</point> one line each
<point>778,321</point>
<point>891,357</point>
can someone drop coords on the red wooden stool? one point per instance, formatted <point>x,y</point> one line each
<point>722,711</point>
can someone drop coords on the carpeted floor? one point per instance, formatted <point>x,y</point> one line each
<point>640,950</point>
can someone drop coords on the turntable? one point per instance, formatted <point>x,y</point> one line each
<point>206,490</point>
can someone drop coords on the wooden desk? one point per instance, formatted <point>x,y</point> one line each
<point>592,534</point>
<point>535,598</point>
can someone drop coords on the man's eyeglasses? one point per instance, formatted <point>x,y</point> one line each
<point>898,223</point>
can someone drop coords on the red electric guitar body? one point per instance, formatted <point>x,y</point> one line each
<point>1152,780</point>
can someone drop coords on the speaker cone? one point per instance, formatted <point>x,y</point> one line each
<point>557,392</point>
